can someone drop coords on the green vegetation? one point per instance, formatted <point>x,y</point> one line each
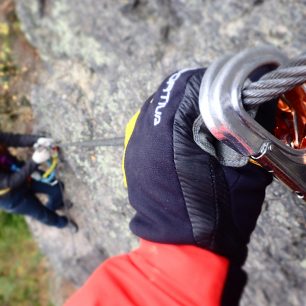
<point>23,271</point>
<point>23,276</point>
<point>8,70</point>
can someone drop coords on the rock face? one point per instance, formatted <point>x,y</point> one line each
<point>100,60</point>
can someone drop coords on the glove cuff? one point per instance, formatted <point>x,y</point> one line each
<point>234,286</point>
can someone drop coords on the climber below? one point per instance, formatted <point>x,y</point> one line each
<point>18,188</point>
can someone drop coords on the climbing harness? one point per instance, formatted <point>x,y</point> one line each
<point>48,174</point>
<point>225,85</point>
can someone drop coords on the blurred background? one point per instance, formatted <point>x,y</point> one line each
<point>78,70</point>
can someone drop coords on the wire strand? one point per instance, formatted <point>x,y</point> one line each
<point>275,83</point>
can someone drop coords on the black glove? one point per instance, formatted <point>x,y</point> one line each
<point>181,194</point>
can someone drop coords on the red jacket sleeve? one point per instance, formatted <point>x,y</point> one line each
<point>156,274</point>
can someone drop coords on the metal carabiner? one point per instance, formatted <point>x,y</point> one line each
<point>224,115</point>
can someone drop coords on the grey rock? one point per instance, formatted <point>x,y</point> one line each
<point>101,59</point>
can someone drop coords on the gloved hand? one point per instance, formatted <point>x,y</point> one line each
<point>44,142</point>
<point>181,194</point>
<point>41,155</point>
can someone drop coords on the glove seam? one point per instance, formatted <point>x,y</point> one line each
<point>197,241</point>
<point>216,219</point>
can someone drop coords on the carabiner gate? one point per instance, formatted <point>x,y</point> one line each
<point>224,115</point>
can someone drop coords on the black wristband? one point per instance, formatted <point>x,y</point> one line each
<point>234,285</point>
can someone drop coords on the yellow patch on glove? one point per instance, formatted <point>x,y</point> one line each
<point>128,133</point>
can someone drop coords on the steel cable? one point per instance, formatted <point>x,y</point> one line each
<point>276,82</point>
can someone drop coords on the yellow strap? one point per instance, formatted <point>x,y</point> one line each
<point>4,191</point>
<point>128,133</point>
<point>52,167</point>
<point>254,162</point>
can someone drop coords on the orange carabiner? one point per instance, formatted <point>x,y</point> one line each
<point>290,124</point>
